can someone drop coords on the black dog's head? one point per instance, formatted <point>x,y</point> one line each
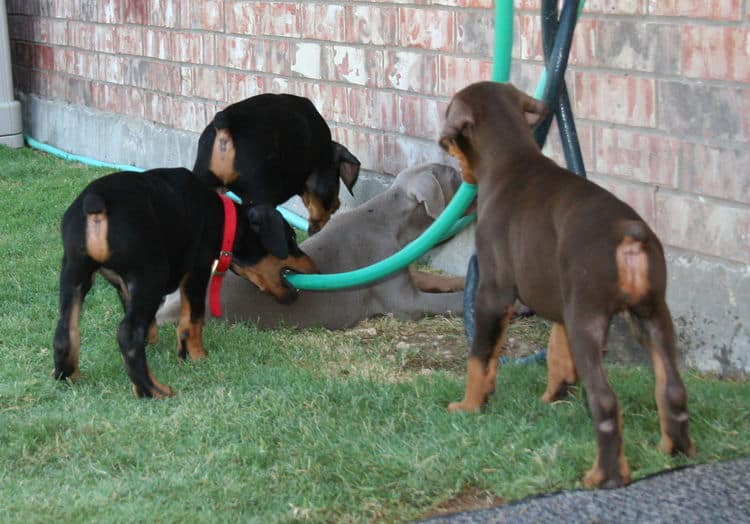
<point>321,194</point>
<point>266,245</point>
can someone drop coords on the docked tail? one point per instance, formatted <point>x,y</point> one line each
<point>93,204</point>
<point>97,245</point>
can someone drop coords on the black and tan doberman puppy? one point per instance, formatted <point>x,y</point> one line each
<point>148,234</point>
<point>572,252</point>
<point>270,147</point>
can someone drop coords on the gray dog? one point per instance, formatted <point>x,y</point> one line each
<point>357,238</point>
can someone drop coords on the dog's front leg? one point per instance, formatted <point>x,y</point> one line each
<point>192,304</point>
<point>491,318</point>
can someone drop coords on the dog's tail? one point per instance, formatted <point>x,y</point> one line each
<point>97,245</point>
<point>637,230</point>
<point>93,204</point>
<point>221,121</point>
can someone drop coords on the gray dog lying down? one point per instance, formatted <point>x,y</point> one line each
<point>357,238</point>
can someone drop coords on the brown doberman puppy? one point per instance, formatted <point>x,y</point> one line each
<point>572,252</point>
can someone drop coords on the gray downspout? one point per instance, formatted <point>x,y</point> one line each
<point>10,110</point>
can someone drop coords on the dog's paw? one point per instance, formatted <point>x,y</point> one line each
<point>159,392</point>
<point>597,478</point>
<point>61,375</point>
<point>454,407</point>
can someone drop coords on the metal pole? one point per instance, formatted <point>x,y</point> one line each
<point>10,110</point>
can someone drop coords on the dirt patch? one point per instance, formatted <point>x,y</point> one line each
<point>440,343</point>
<point>469,499</point>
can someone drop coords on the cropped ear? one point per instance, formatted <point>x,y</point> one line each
<point>270,226</point>
<point>459,118</point>
<point>534,110</point>
<point>426,189</point>
<point>348,165</point>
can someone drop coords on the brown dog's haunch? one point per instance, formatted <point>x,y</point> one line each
<point>572,252</point>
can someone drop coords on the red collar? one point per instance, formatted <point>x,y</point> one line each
<point>222,263</point>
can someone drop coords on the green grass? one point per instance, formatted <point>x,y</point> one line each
<point>274,426</point>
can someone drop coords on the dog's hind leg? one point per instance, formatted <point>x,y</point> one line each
<point>76,278</point>
<point>656,333</point>
<point>561,371</point>
<point>587,334</point>
<point>492,315</point>
<point>192,310</point>
<point>131,337</point>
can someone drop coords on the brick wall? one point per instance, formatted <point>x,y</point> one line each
<point>661,89</point>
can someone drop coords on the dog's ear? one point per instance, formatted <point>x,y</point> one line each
<point>425,188</point>
<point>348,165</point>
<point>271,228</point>
<point>534,110</point>
<point>459,118</point>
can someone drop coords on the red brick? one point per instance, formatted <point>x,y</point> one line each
<point>109,11</point>
<point>205,14</point>
<point>323,22</point>
<point>243,85</point>
<point>112,69</point>
<point>431,29</point>
<point>130,40</point>
<point>617,7</point>
<point>235,52</point>
<point>158,76</point>
<point>163,13</point>
<point>455,73</point>
<point>330,100</point>
<point>135,12</point>
<point>158,107</point>
<point>614,98</point>
<point>716,52</point>
<point>640,156</point>
<point>50,31</point>
<point>461,3</point>
<point>475,32</point>
<point>242,18</point>
<point>186,81</point>
<point>188,47</point>
<point>367,146</point>
<point>158,44</point>
<point>278,19</point>
<point>527,43</point>
<point>373,108</point>
<point>81,35</point>
<point>376,25</point>
<point>703,225</point>
<point>400,152</point>
<point>20,28</point>
<point>354,65</point>
<point>78,91</point>
<point>715,171</point>
<point>210,83</point>
<point>421,117</point>
<point>189,115</point>
<point>63,60</point>
<point>86,65</point>
<point>638,196</point>
<point>712,9</point>
<point>411,71</point>
<point>585,131</point>
<point>104,39</point>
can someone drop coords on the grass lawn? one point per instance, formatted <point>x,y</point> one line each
<point>282,425</point>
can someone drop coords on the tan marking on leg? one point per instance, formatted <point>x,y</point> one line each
<point>160,390</point>
<point>430,283</point>
<point>667,444</point>
<point>632,269</point>
<point>97,246</point>
<point>492,364</point>
<point>475,396</point>
<point>153,333</point>
<point>222,157</point>
<point>596,476</point>
<point>189,332</point>
<point>561,369</point>
<point>74,334</point>
<point>467,173</point>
